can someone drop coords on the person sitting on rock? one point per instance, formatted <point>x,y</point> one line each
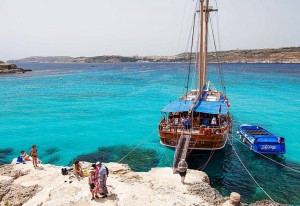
<point>77,170</point>
<point>24,156</point>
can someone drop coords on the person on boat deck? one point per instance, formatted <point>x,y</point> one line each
<point>77,170</point>
<point>24,156</point>
<point>176,121</point>
<point>171,117</point>
<point>207,131</point>
<point>214,121</point>
<point>34,155</point>
<point>182,168</point>
<point>187,123</point>
<point>182,121</point>
<point>224,123</point>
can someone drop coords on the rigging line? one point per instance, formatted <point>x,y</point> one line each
<point>189,38</point>
<point>187,45</point>
<point>248,171</point>
<point>211,155</point>
<point>181,26</point>
<point>190,60</point>
<point>218,28</point>
<point>167,157</point>
<point>212,152</point>
<point>268,157</point>
<point>217,57</point>
<point>219,44</point>
<point>137,146</point>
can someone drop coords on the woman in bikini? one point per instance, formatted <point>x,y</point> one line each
<point>77,170</point>
<point>34,155</point>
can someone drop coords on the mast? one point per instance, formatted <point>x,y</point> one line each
<point>201,50</point>
<point>206,41</point>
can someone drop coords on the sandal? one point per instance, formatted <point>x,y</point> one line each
<point>92,198</point>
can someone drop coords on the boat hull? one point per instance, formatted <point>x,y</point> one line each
<point>197,142</point>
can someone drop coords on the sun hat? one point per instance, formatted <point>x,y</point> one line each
<point>97,163</point>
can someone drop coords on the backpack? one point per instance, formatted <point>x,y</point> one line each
<point>106,171</point>
<point>19,159</point>
<point>64,171</point>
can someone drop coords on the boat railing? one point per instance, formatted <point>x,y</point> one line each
<point>202,129</point>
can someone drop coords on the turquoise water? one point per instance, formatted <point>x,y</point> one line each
<point>101,111</point>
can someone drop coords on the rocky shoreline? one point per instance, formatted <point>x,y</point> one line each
<point>6,68</point>
<point>23,185</point>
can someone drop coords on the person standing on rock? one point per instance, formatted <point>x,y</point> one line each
<point>93,182</point>
<point>34,155</point>
<point>102,179</point>
<point>182,168</point>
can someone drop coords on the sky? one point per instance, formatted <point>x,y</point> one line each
<point>138,27</point>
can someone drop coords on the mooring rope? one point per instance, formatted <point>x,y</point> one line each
<point>268,157</point>
<point>138,145</point>
<point>248,171</point>
<point>167,157</point>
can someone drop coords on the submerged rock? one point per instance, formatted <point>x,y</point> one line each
<point>135,160</point>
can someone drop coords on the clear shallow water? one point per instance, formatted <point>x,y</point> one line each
<point>73,109</point>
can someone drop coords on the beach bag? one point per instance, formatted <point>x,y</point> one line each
<point>86,173</point>
<point>64,171</point>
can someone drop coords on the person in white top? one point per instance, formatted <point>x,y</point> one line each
<point>182,168</point>
<point>214,121</point>
<point>102,179</point>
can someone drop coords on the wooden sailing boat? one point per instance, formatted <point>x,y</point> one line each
<point>200,114</point>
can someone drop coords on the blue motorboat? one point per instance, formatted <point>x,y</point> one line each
<point>260,140</point>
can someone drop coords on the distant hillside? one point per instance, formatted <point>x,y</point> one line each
<point>280,55</point>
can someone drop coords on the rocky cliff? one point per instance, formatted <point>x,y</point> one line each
<point>6,68</point>
<point>23,185</point>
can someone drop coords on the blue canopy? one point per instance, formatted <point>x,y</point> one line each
<point>209,107</point>
<point>178,106</point>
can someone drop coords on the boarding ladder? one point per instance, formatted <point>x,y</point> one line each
<point>181,150</point>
